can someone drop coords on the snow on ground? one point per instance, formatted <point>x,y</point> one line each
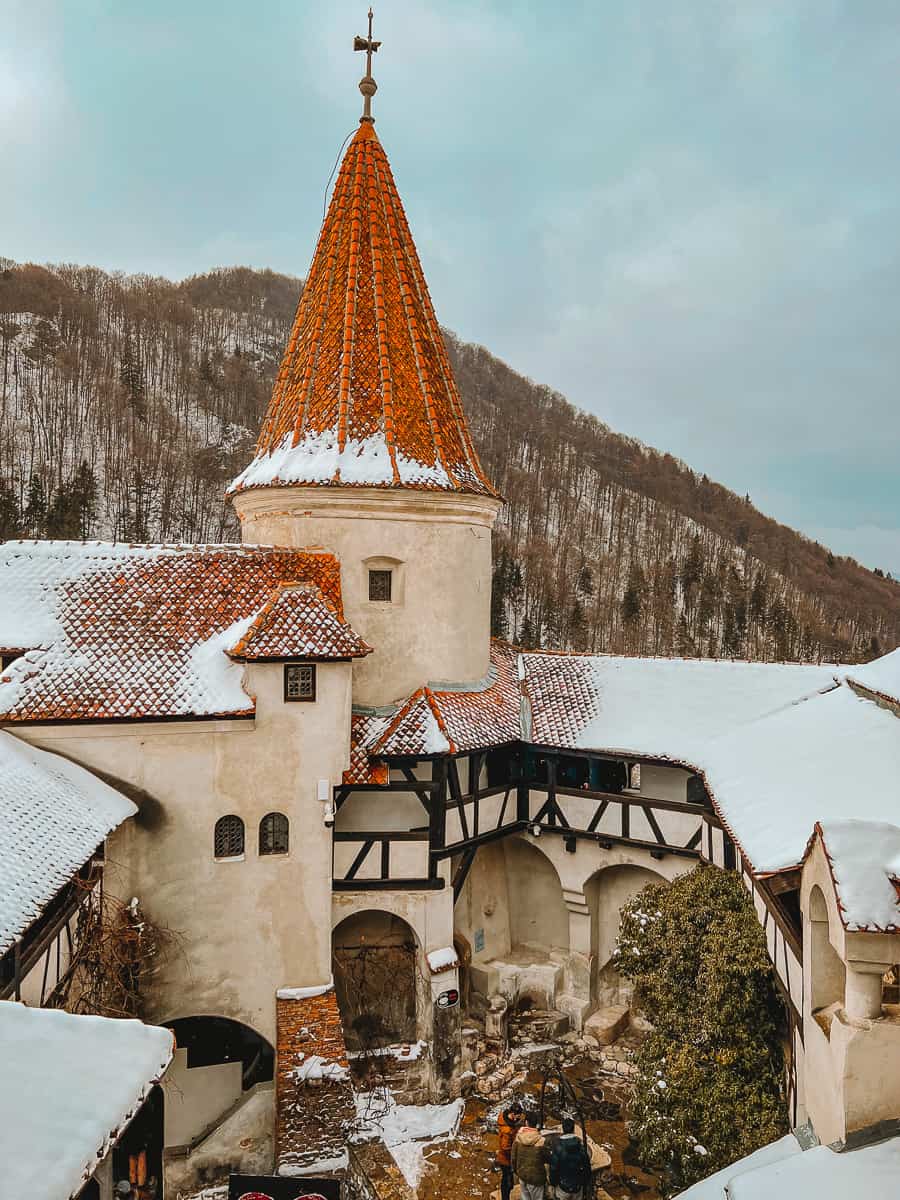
<point>54,816</point>
<point>406,1128</point>
<point>70,1084</point>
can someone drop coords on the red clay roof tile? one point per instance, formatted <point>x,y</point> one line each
<point>365,394</point>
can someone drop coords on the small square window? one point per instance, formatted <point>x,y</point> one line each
<point>300,681</point>
<point>380,585</point>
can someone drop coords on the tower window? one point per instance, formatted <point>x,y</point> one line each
<point>273,834</point>
<point>228,840</point>
<point>300,681</point>
<point>380,585</point>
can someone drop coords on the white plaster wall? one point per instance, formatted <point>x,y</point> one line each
<point>437,626</point>
<point>663,783</point>
<point>196,1097</point>
<point>537,912</point>
<point>246,928</point>
<point>484,904</point>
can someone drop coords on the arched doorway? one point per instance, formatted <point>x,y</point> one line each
<point>606,892</point>
<point>375,964</point>
<point>217,1062</point>
<point>537,910</point>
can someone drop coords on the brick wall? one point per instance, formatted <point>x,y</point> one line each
<point>311,1115</point>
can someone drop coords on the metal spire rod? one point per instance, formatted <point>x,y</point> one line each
<point>367,84</point>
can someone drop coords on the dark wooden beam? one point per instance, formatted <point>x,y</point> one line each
<point>462,871</point>
<point>388,885</point>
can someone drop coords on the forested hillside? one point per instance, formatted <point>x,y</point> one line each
<point>127,403</point>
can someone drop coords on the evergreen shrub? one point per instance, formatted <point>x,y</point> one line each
<point>710,1087</point>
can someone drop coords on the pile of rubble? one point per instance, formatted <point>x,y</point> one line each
<point>499,1057</point>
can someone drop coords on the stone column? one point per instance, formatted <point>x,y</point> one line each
<point>576,1002</point>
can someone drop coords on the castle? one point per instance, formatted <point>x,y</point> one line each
<point>351,806</point>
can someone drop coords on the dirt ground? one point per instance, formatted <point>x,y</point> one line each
<point>464,1166</point>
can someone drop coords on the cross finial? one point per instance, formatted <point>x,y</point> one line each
<point>367,84</point>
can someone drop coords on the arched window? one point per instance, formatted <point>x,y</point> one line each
<point>228,840</point>
<point>273,834</point>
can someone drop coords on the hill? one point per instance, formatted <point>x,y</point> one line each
<point>127,403</point>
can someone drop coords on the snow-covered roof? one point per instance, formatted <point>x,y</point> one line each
<point>115,631</point>
<point>872,1172</point>
<point>664,708</point>
<point>714,1186</point>
<point>53,816</point>
<point>443,719</point>
<point>70,1086</point>
<point>366,727</point>
<point>773,779</point>
<point>864,857</point>
<point>298,622</point>
<point>781,745</point>
<point>881,676</point>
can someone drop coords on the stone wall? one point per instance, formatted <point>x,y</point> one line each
<point>312,1113</point>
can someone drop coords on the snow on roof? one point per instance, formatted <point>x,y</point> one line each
<point>115,631</point>
<point>70,1085</point>
<point>298,622</point>
<point>864,857</point>
<point>655,707</point>
<point>53,816</point>
<point>872,1172</point>
<point>882,676</point>
<point>442,960</point>
<point>366,728</point>
<point>444,719</point>
<point>713,1187</point>
<point>774,778</point>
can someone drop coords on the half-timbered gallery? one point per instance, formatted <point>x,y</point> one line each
<point>356,816</point>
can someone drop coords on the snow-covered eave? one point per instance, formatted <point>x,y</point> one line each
<point>870,693</point>
<point>818,834</point>
<point>115,1134</point>
<point>17,720</point>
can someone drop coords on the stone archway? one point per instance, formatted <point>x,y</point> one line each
<point>221,1071</point>
<point>606,892</point>
<point>537,911</point>
<point>375,957</point>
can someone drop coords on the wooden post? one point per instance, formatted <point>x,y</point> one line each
<point>437,824</point>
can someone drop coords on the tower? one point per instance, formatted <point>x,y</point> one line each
<point>365,449</point>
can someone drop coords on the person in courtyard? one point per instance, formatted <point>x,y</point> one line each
<point>528,1159</point>
<point>508,1125</point>
<point>570,1165</point>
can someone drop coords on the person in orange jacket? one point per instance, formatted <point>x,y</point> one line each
<point>509,1122</point>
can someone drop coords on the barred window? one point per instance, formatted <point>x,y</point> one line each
<point>228,840</point>
<point>273,834</point>
<point>300,681</point>
<point>380,585</point>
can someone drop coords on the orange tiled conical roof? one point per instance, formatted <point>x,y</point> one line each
<point>365,394</point>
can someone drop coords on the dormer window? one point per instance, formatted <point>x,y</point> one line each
<point>8,657</point>
<point>300,681</point>
<point>380,585</point>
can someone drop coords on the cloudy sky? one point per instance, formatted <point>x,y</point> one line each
<point>683,214</point>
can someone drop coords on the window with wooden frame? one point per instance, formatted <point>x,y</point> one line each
<point>273,834</point>
<point>380,583</point>
<point>300,681</point>
<point>228,839</point>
